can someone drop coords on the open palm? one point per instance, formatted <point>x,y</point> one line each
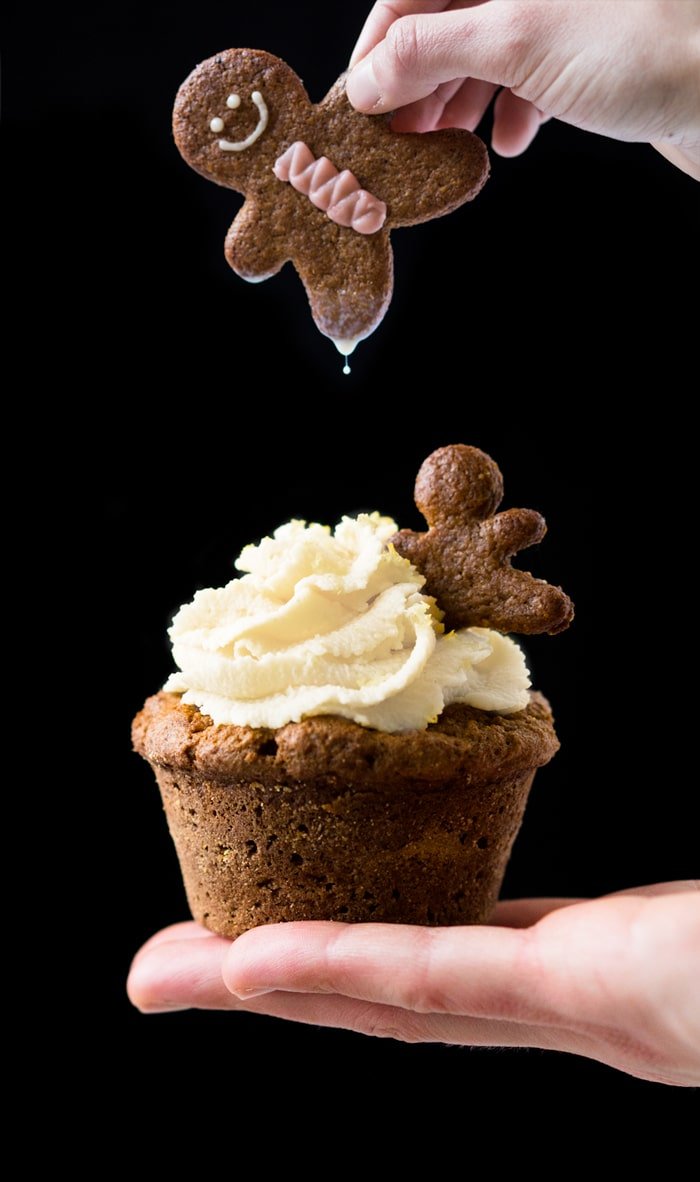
<point>614,979</point>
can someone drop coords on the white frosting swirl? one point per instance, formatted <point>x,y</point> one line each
<point>335,623</point>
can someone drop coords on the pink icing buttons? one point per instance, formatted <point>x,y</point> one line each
<point>338,194</point>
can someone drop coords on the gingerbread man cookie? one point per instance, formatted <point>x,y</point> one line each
<point>465,554</point>
<point>324,185</point>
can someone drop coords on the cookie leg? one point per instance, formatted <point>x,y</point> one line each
<point>349,282</point>
<point>254,249</point>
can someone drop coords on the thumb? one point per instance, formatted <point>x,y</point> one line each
<point>420,52</point>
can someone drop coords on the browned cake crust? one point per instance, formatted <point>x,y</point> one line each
<point>325,819</point>
<point>348,275</point>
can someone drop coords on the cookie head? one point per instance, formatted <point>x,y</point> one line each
<point>231,112</point>
<point>456,484</point>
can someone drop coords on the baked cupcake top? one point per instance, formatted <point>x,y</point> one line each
<point>465,744</point>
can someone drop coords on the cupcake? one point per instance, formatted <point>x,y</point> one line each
<point>350,735</point>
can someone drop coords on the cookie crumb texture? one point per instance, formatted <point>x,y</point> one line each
<point>466,551</point>
<point>327,820</point>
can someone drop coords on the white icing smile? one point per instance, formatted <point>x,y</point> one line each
<point>233,102</point>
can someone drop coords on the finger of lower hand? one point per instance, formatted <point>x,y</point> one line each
<point>523,913</point>
<point>383,1021</point>
<point>679,887</point>
<point>186,974</point>
<point>187,930</point>
<point>480,971</point>
<point>180,974</point>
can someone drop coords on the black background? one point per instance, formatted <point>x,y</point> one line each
<point>537,323</point>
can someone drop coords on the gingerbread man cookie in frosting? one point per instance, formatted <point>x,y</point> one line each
<point>465,553</point>
<point>324,185</point>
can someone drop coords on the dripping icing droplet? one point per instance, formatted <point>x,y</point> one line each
<point>346,347</point>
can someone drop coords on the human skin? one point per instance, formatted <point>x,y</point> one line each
<point>628,69</point>
<point>613,979</point>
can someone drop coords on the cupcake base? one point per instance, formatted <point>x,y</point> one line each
<point>326,820</point>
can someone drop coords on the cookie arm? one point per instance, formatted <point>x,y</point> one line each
<point>475,587</point>
<point>513,530</point>
<point>252,248</point>
<point>433,173</point>
<point>530,605</point>
<point>416,548</point>
<point>522,603</point>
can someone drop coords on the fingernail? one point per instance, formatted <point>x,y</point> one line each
<point>362,87</point>
<point>246,994</point>
<point>161,1008</point>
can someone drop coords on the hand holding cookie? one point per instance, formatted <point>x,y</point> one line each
<point>324,185</point>
<point>627,69</point>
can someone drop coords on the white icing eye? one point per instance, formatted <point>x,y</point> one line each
<point>217,124</point>
<point>234,101</point>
